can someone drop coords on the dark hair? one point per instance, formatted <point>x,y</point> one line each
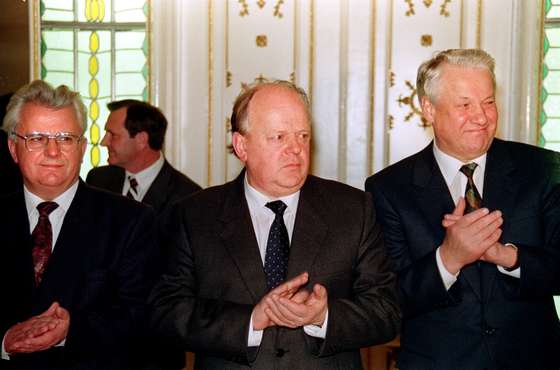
<point>141,116</point>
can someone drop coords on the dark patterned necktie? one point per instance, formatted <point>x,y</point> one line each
<point>277,247</point>
<point>42,239</point>
<point>472,196</point>
<point>132,192</point>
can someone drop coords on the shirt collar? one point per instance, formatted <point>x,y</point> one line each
<point>149,173</point>
<point>450,166</point>
<point>259,200</point>
<point>64,200</point>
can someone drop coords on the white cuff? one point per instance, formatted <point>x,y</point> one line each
<point>317,331</point>
<point>255,336</point>
<point>5,355</point>
<point>515,273</point>
<point>448,278</point>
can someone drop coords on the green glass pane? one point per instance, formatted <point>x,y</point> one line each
<point>129,10</point>
<point>544,95</point>
<point>552,58</point>
<point>546,45</point>
<point>59,60</point>
<point>60,78</point>
<point>553,36</point>
<point>96,14</point>
<point>41,8</point>
<point>59,39</point>
<point>552,82</point>
<point>552,106</point>
<point>129,39</point>
<point>551,130</point>
<point>554,12</point>
<point>129,60</point>
<point>543,117</point>
<point>544,71</point>
<point>57,10</point>
<point>129,84</point>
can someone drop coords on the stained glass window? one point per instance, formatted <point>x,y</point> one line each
<point>549,119</point>
<point>101,49</point>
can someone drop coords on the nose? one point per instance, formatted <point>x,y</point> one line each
<point>105,141</point>
<point>479,115</point>
<point>52,148</point>
<point>295,144</point>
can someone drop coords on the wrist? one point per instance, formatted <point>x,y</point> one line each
<point>515,264</point>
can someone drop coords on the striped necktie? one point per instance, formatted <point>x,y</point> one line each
<point>132,192</point>
<point>472,196</point>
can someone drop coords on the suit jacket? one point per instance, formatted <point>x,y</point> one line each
<point>97,271</point>
<point>169,185</point>
<point>487,319</point>
<point>204,301</point>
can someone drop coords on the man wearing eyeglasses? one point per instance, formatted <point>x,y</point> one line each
<point>73,262</point>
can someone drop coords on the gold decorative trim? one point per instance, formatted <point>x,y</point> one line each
<point>261,3</point>
<point>296,44</point>
<point>36,39</point>
<point>426,40</point>
<point>478,24</point>
<point>427,3</point>
<point>539,78</point>
<point>229,78</point>
<point>372,56</point>
<point>149,36</point>
<point>461,25</point>
<point>443,8</point>
<point>277,11</point>
<point>261,41</point>
<point>245,8</point>
<point>311,49</point>
<point>411,102</point>
<point>410,10</point>
<point>210,92</point>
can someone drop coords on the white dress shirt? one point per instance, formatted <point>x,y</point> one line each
<point>457,182</point>
<point>145,178</point>
<point>56,218</point>
<point>262,218</point>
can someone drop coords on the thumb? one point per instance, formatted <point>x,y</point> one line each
<point>51,310</point>
<point>319,291</point>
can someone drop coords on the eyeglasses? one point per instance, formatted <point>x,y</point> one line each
<point>37,141</point>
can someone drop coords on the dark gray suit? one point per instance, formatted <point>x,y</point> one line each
<point>204,301</point>
<point>487,319</point>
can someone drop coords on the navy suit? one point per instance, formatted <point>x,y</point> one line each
<point>98,271</point>
<point>487,319</point>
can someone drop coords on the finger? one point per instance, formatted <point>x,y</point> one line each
<point>485,226</point>
<point>301,296</point>
<point>277,317</point>
<point>474,216</point>
<point>460,207</point>
<point>292,285</point>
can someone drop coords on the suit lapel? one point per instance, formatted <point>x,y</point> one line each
<point>239,238</point>
<point>309,230</point>
<point>67,261</point>
<point>115,182</point>
<point>434,199</point>
<point>157,194</point>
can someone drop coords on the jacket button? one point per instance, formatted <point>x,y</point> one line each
<point>489,331</point>
<point>280,352</point>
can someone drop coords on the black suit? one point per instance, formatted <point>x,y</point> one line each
<point>97,271</point>
<point>169,185</point>
<point>487,319</point>
<point>204,302</point>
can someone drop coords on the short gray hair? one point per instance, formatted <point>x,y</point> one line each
<point>41,93</point>
<point>429,72</point>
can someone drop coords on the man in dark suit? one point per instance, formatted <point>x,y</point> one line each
<point>73,261</point>
<point>134,137</point>
<point>135,133</point>
<point>276,269</point>
<point>473,226</point>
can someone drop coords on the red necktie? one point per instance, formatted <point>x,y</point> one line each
<point>42,239</point>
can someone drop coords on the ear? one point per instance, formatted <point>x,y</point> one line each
<point>12,147</point>
<point>428,109</point>
<point>239,143</point>
<point>142,139</point>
